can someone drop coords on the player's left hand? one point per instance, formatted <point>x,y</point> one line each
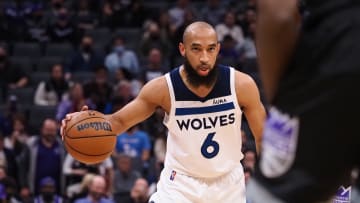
<point>68,118</point>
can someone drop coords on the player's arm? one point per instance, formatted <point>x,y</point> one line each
<point>249,99</point>
<point>276,35</point>
<point>143,106</point>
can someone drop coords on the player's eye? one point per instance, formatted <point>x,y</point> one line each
<point>195,49</point>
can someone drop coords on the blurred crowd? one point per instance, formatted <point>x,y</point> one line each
<point>58,55</point>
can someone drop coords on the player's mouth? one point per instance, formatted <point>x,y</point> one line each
<point>203,70</point>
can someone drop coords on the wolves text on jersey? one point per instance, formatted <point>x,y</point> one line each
<point>206,122</point>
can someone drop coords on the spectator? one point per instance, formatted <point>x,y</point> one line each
<point>52,13</point>
<point>113,13</point>
<point>79,191</point>
<point>74,103</point>
<point>96,191</point>
<point>167,29</point>
<point>122,95</point>
<point>121,57</point>
<point>155,66</point>
<point>152,39</point>
<point>55,89</point>
<point>84,17</point>
<point>86,58</point>
<point>8,161</point>
<point>248,48</point>
<point>136,14</point>
<point>63,30</point>
<point>11,76</point>
<point>228,53</point>
<point>16,142</point>
<point>48,193</point>
<point>75,171</point>
<point>6,117</point>
<point>124,178</point>
<point>189,17</point>
<point>177,12</point>
<point>249,18</point>
<point>212,12</point>
<point>99,90</point>
<point>45,159</point>
<point>36,24</point>
<point>229,27</point>
<point>11,189</point>
<point>135,143</point>
<point>15,15</point>
<point>140,191</point>
<point>122,78</point>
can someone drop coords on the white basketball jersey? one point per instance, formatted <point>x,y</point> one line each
<point>204,138</point>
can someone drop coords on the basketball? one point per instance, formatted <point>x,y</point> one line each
<point>89,137</point>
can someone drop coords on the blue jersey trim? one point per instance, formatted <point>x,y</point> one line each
<point>220,89</point>
<point>202,110</point>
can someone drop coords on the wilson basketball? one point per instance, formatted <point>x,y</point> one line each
<point>89,138</point>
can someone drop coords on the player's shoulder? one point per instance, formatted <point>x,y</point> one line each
<point>156,90</point>
<point>158,83</point>
<point>243,80</point>
<point>245,86</point>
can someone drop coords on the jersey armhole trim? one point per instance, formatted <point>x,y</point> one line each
<point>171,93</point>
<point>233,87</point>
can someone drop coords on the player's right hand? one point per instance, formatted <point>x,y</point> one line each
<point>68,118</point>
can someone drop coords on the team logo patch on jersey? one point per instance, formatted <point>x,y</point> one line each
<point>343,195</point>
<point>279,143</point>
<point>172,176</point>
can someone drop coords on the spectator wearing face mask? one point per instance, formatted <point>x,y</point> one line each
<point>48,193</point>
<point>85,58</point>
<point>63,30</point>
<point>121,57</point>
<point>96,191</point>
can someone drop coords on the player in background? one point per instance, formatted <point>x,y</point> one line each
<point>309,72</point>
<point>204,103</point>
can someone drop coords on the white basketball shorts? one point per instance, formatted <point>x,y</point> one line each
<point>174,187</point>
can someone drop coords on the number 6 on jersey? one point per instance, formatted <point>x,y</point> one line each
<point>208,144</point>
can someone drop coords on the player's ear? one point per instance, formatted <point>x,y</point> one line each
<point>182,49</point>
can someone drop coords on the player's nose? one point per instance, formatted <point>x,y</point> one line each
<point>204,57</point>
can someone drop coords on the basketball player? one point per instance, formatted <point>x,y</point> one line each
<point>311,139</point>
<point>204,103</point>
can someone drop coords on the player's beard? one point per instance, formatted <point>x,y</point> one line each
<point>197,80</point>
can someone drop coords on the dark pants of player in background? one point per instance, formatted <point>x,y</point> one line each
<point>311,138</point>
